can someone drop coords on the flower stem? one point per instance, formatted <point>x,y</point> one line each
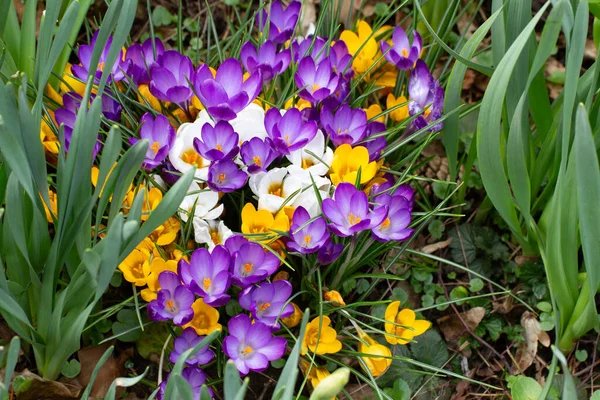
<point>342,270</point>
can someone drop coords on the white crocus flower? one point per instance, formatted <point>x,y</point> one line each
<point>309,200</point>
<point>201,202</point>
<point>275,188</point>
<point>304,163</point>
<point>211,232</point>
<point>250,123</point>
<point>182,155</point>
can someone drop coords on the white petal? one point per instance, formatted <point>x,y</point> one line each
<point>270,203</point>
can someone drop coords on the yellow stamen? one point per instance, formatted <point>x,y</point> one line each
<point>222,177</point>
<point>264,306</point>
<point>191,157</point>
<point>386,224</point>
<point>256,160</point>
<point>206,283</point>
<point>287,139</point>
<point>306,164</point>
<point>101,66</point>
<point>405,53</point>
<point>315,87</point>
<point>427,112</point>
<point>155,147</point>
<point>215,237</point>
<point>307,239</point>
<point>170,304</point>
<point>248,267</point>
<point>353,219</point>
<point>247,350</point>
<point>219,147</point>
<point>275,189</point>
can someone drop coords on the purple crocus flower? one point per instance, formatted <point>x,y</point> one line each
<point>168,173</point>
<point>227,93</point>
<point>252,263</point>
<point>401,53</point>
<point>170,77</point>
<point>349,211</point>
<point>307,237</point>
<point>142,59</point>
<point>194,376</point>
<point>282,22</point>
<point>329,252</point>
<point>218,142</point>
<point>341,60</point>
<point>252,346</point>
<point>266,60</point>
<point>187,340</point>
<point>316,82</point>
<point>395,225</point>
<point>289,132</point>
<point>426,97</point>
<point>173,301</point>
<point>267,302</point>
<point>67,116</point>
<point>84,52</point>
<point>313,46</point>
<point>111,108</point>
<point>225,176</point>
<point>382,185</point>
<point>257,154</point>
<point>407,192</point>
<point>376,144</point>
<point>207,275</point>
<point>160,134</point>
<point>347,125</point>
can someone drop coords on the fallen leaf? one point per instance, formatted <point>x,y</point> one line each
<point>432,248</point>
<point>532,333</point>
<point>504,305</point>
<point>308,17</point>
<point>110,370</point>
<point>359,392</point>
<point>33,387</point>
<point>452,327</point>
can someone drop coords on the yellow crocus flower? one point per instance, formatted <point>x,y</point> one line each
<point>377,357</point>
<point>400,113</point>
<point>294,319</point>
<point>152,269</point>
<point>346,163</point>
<point>263,222</point>
<point>373,111</point>
<point>320,341</point>
<point>403,325</point>
<point>206,318</point>
<point>132,267</point>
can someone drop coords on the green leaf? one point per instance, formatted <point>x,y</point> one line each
<point>459,292</point>
<point>381,9</point>
<point>400,391</point>
<point>127,326</point>
<point>581,355</point>
<point>524,388</point>
<point>161,16</point>
<point>544,306</point>
<point>429,348</point>
<point>436,229</point>
<point>71,368</point>
<point>595,395</point>
<point>152,340</point>
<point>475,285</point>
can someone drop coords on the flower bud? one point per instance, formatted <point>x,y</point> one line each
<point>334,297</point>
<point>377,356</point>
<point>294,319</point>
<point>330,386</point>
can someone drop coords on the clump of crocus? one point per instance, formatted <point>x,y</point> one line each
<point>173,302</point>
<point>207,275</point>
<point>227,93</point>
<point>307,237</point>
<point>316,82</point>
<point>281,22</point>
<point>401,52</point>
<point>266,59</point>
<point>267,302</point>
<point>289,132</point>
<point>251,345</point>
<point>349,211</point>
<point>320,337</point>
<point>403,326</point>
<point>160,135</point>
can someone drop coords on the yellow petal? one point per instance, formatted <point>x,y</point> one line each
<point>406,317</point>
<point>359,157</point>
<point>420,326</point>
<point>352,41</point>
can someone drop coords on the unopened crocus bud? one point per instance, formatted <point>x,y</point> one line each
<point>334,297</point>
<point>377,356</point>
<point>294,319</point>
<point>330,386</point>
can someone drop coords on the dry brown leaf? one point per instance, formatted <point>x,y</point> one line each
<point>590,50</point>
<point>110,370</point>
<point>504,306</point>
<point>44,389</point>
<point>359,392</point>
<point>452,327</point>
<point>432,248</point>
<point>532,333</point>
